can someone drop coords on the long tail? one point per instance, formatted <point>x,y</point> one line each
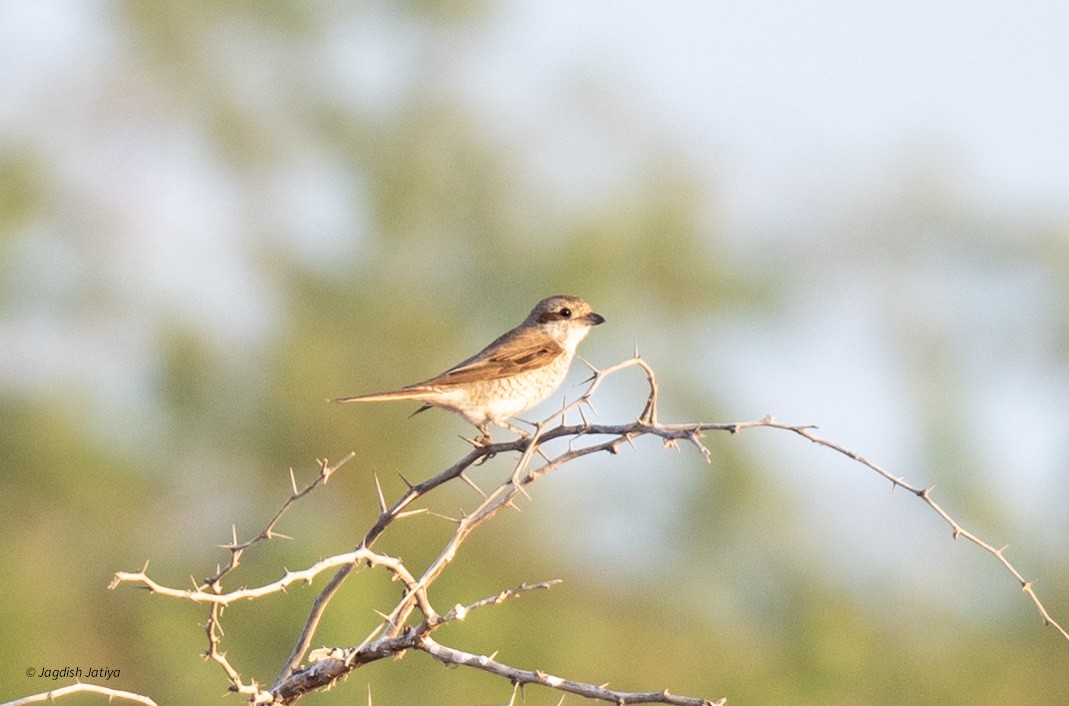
<point>416,394</point>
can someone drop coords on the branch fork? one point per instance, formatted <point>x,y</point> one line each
<point>398,631</point>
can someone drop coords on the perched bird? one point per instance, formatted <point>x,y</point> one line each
<point>515,372</point>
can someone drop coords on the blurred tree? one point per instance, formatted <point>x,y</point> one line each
<point>434,233</point>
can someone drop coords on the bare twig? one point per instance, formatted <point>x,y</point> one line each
<point>326,470</point>
<point>398,631</point>
<point>288,579</point>
<point>956,528</point>
<point>460,612</point>
<point>81,689</point>
<point>448,655</point>
<point>319,606</point>
<point>329,664</point>
<point>215,633</point>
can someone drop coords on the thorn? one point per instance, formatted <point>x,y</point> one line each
<point>293,481</point>
<point>706,454</point>
<point>517,482</point>
<point>562,414</point>
<point>533,425</point>
<point>378,491</point>
<point>582,415</point>
<point>470,482</point>
<point>327,472</point>
<point>405,481</point>
<point>447,518</point>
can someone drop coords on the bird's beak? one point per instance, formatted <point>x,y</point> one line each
<point>594,319</point>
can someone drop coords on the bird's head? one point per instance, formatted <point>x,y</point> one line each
<point>566,318</point>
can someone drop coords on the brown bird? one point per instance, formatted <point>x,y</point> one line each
<point>514,373</point>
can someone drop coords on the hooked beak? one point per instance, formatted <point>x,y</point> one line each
<point>594,319</point>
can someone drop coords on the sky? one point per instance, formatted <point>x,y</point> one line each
<point>789,100</point>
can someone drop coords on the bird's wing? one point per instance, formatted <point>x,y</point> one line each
<point>518,351</point>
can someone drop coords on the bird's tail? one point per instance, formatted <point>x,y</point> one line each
<point>414,394</point>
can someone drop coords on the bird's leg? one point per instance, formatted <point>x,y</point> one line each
<point>484,438</point>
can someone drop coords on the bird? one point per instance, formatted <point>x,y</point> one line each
<point>515,372</point>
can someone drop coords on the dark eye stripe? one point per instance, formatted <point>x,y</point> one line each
<point>560,314</point>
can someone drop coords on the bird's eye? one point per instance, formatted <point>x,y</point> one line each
<point>566,313</point>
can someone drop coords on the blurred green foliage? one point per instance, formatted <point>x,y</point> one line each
<point>738,606</point>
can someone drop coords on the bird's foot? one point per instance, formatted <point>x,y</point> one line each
<point>484,438</point>
<point>478,442</point>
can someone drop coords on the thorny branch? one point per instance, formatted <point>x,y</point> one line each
<point>79,688</point>
<point>397,632</point>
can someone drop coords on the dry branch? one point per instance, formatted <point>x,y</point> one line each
<point>448,655</point>
<point>80,688</point>
<point>399,631</point>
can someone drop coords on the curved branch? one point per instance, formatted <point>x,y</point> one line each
<point>81,689</point>
<point>397,633</point>
<point>448,655</point>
